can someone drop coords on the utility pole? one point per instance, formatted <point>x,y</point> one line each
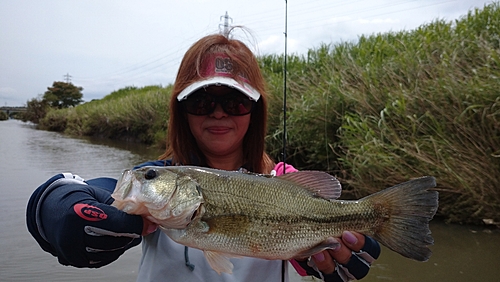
<point>68,77</point>
<point>225,31</point>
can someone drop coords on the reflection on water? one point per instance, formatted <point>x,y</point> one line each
<point>57,152</point>
<point>29,157</point>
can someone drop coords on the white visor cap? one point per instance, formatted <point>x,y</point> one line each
<point>220,81</point>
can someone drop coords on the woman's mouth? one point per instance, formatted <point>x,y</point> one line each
<point>218,129</point>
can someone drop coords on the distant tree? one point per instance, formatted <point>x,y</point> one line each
<point>36,109</point>
<point>63,95</point>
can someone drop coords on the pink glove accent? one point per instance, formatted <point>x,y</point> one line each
<point>298,268</point>
<point>280,166</point>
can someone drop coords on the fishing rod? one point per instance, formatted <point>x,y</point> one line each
<point>284,262</point>
<point>284,88</point>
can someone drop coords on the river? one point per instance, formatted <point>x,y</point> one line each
<point>28,157</point>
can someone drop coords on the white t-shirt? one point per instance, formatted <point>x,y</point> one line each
<point>164,260</point>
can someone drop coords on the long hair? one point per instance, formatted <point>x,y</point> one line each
<point>181,144</point>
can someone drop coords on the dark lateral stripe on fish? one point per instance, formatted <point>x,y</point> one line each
<point>294,219</point>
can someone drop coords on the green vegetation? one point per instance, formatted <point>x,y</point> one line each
<point>375,113</point>
<point>36,109</point>
<point>135,114</point>
<point>63,95</point>
<point>4,115</point>
<point>60,96</point>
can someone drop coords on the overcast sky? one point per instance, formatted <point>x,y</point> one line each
<point>105,45</point>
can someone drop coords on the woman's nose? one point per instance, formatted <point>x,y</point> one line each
<point>218,112</point>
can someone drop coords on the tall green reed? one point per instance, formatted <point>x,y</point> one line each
<point>404,104</point>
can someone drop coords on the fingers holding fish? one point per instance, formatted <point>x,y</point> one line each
<point>148,226</point>
<point>324,261</point>
<point>364,250</point>
<point>349,242</point>
<point>348,260</point>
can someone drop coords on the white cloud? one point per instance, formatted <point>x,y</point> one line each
<point>335,20</point>
<point>271,44</point>
<point>7,90</point>
<point>378,21</point>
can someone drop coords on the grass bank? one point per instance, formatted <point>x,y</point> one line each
<point>375,113</point>
<point>131,113</point>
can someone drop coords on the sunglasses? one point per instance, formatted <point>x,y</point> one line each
<point>202,103</point>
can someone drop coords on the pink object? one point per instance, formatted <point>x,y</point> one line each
<point>279,168</point>
<point>218,64</point>
<point>298,268</point>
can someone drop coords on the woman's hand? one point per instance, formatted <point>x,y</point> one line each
<point>74,221</point>
<point>350,260</point>
<point>148,226</point>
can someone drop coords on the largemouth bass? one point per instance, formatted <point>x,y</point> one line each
<point>229,214</point>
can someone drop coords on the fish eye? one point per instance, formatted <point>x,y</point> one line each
<point>150,174</point>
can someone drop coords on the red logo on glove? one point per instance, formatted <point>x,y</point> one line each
<point>89,212</point>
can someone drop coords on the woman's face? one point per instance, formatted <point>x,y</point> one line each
<point>219,134</point>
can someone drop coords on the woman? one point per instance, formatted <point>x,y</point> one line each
<point>218,114</point>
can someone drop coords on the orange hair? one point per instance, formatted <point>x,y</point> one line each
<point>181,144</point>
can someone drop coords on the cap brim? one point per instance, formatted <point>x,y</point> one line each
<point>220,80</point>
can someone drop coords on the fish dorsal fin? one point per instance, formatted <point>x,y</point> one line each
<point>220,261</point>
<point>319,183</point>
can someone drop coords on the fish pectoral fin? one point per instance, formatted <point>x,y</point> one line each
<point>329,243</point>
<point>219,261</point>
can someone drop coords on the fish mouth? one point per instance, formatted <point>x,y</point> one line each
<point>197,213</point>
<point>124,183</point>
<point>123,194</point>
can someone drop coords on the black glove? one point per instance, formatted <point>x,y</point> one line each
<point>356,268</point>
<point>74,221</point>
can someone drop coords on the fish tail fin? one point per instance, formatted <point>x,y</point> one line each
<point>408,207</point>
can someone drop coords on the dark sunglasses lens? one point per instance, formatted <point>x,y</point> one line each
<point>199,103</point>
<point>237,104</point>
<point>202,103</point>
